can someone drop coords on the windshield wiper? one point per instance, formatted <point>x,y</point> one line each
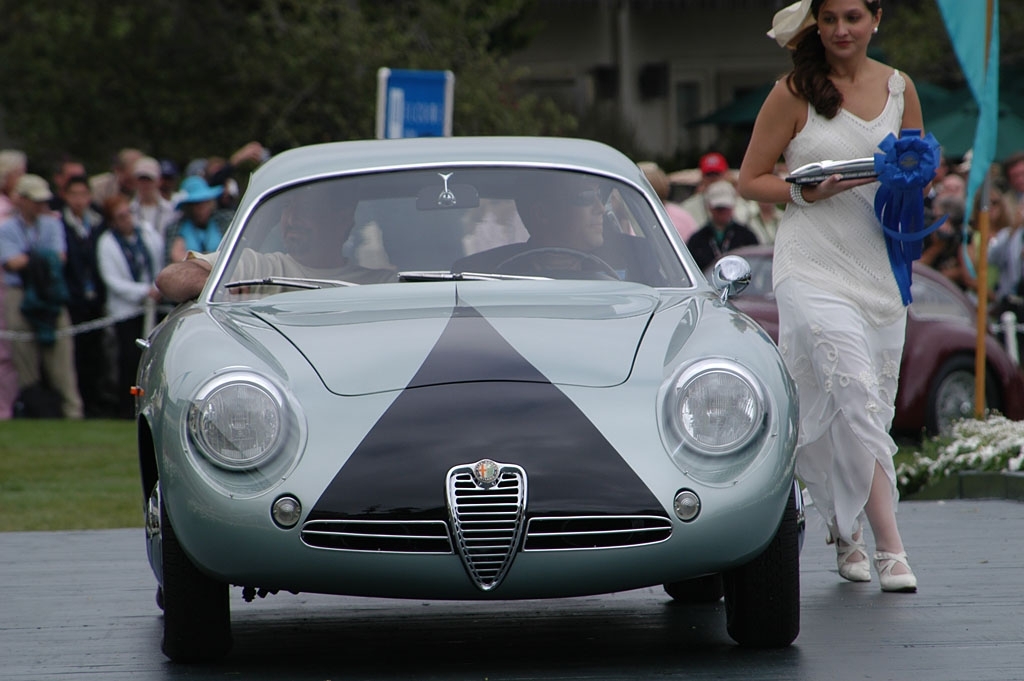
<point>289,282</point>
<point>444,275</point>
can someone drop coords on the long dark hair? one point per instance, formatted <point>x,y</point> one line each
<point>809,77</point>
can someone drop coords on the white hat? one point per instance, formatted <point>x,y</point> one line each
<point>147,166</point>
<point>790,23</point>
<point>33,188</point>
<point>12,159</point>
<point>720,194</point>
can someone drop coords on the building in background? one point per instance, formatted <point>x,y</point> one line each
<point>657,66</point>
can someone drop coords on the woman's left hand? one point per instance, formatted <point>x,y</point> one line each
<point>831,186</point>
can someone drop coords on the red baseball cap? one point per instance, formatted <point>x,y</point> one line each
<point>713,163</point>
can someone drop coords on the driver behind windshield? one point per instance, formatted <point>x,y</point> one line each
<point>572,235</point>
<point>316,220</point>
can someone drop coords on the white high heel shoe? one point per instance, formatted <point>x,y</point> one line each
<point>851,570</point>
<point>904,582</point>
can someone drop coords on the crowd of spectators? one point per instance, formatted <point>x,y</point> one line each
<point>955,248</point>
<point>80,254</point>
<point>714,218</point>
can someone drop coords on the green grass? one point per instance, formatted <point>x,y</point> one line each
<point>68,475</point>
<point>907,450</point>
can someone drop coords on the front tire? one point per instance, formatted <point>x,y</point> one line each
<point>762,598</point>
<point>951,396</point>
<point>197,613</point>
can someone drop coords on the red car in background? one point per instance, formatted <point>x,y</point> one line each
<point>937,372</point>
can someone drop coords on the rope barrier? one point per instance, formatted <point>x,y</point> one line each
<point>92,324</point>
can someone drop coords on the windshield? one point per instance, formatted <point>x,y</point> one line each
<point>444,224</point>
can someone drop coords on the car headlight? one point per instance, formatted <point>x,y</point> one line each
<point>236,421</point>
<point>711,411</point>
<point>717,409</point>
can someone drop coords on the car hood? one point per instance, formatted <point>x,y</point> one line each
<point>389,337</point>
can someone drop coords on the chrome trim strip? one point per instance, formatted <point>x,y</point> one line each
<point>440,535</point>
<point>590,532</point>
<point>376,536</point>
<point>533,534</point>
<point>801,515</point>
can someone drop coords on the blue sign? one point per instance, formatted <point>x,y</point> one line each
<point>414,103</point>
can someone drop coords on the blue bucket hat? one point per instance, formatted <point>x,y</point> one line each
<point>196,190</point>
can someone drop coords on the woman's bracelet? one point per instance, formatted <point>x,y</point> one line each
<point>796,192</point>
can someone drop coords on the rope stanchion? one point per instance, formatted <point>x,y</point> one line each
<point>148,316</point>
<point>1010,328</point>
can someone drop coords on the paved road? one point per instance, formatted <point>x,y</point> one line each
<point>79,605</point>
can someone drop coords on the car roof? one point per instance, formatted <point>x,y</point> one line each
<point>338,158</point>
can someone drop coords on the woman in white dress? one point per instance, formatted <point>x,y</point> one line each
<point>841,315</point>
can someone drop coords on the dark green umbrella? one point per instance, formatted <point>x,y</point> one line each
<point>741,111</point>
<point>955,130</point>
<point>937,101</point>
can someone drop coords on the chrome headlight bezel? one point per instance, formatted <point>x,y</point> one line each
<point>685,395</point>
<point>204,408</point>
<point>682,398</point>
<point>277,457</point>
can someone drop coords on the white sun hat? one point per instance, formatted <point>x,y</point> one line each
<point>790,22</point>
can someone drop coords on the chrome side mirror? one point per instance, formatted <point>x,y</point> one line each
<point>730,276</point>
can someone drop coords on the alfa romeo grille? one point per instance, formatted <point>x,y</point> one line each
<point>486,501</point>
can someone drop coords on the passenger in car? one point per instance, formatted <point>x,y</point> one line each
<point>315,223</point>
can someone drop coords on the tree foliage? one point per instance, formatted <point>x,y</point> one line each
<point>913,37</point>
<point>181,78</point>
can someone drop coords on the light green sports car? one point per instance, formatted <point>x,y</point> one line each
<point>464,368</point>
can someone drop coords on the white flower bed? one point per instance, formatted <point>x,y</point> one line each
<point>995,444</point>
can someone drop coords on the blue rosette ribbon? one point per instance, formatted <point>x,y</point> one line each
<point>905,166</point>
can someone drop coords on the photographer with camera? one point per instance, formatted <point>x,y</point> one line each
<point>942,251</point>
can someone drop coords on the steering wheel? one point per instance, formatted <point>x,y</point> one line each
<point>535,254</point>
